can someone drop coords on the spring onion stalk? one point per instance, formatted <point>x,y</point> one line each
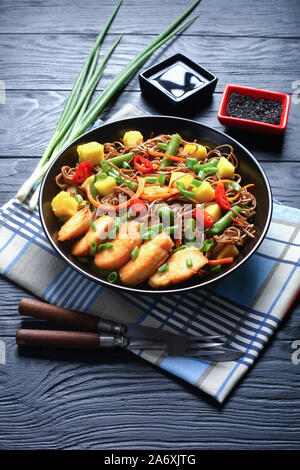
<point>73,97</point>
<point>70,126</point>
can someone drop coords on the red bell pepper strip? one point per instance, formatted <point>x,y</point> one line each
<point>138,207</point>
<point>221,198</point>
<point>83,171</point>
<point>142,164</point>
<point>203,217</point>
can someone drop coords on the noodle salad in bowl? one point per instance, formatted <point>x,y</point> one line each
<point>159,210</point>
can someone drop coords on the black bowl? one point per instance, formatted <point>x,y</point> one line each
<point>249,169</point>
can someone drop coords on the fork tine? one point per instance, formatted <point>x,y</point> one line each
<point>200,346</point>
<point>191,339</point>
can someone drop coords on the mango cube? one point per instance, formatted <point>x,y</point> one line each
<point>225,168</point>
<point>132,138</point>
<point>155,190</point>
<point>204,193</point>
<point>196,150</point>
<point>215,211</point>
<point>228,250</point>
<point>105,186</point>
<point>185,178</point>
<point>92,152</point>
<point>63,204</point>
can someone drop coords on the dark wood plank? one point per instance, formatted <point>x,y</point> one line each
<point>52,62</point>
<point>42,388</point>
<point>231,17</point>
<point>30,118</point>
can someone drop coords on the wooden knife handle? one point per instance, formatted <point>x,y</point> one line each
<point>56,314</point>
<point>58,339</point>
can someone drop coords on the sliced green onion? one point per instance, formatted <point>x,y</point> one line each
<point>181,247</point>
<point>236,186</point>
<point>63,219</point>
<point>83,260</point>
<point>126,165</point>
<point>166,214</point>
<point>189,262</point>
<point>93,248</point>
<point>190,230</point>
<point>120,159</point>
<point>104,246</point>
<point>134,253</point>
<point>164,267</point>
<point>93,226</point>
<point>161,145</point>
<point>112,277</point>
<point>151,232</point>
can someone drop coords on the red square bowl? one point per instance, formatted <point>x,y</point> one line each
<point>254,125</point>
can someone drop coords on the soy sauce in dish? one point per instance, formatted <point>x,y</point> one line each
<point>178,80</point>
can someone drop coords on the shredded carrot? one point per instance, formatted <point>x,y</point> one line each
<point>154,197</point>
<point>222,181</point>
<point>162,155</point>
<point>215,262</point>
<point>107,207</point>
<point>237,195</point>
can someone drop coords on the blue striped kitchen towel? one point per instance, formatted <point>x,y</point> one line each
<point>247,306</point>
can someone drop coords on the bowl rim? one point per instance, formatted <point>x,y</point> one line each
<point>178,289</point>
<point>284,98</point>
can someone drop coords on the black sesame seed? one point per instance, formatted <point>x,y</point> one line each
<point>254,109</point>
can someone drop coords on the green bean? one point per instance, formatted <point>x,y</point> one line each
<point>200,166</point>
<point>221,224</point>
<point>171,149</point>
<point>236,186</point>
<point>171,229</point>
<point>206,245</point>
<point>152,179</point>
<point>120,179</point>
<point>191,162</point>
<point>162,178</point>
<point>184,192</point>
<point>162,146</point>
<point>209,170</point>
<point>117,161</point>
<point>105,167</point>
<point>216,269</point>
<point>190,230</point>
<point>166,214</point>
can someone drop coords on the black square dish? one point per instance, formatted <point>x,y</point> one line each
<point>177,81</point>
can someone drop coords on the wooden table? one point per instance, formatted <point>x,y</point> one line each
<point>76,401</point>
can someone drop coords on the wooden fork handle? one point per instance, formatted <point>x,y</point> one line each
<point>58,339</point>
<point>56,314</point>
